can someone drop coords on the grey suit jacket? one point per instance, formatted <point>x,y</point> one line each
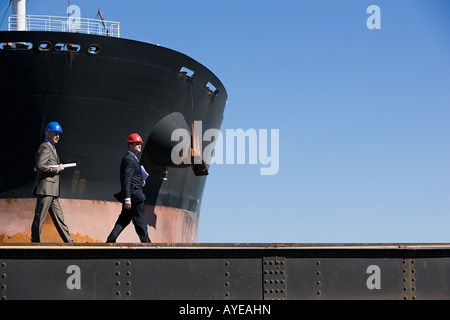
<point>47,179</point>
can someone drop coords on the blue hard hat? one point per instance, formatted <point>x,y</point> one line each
<point>53,126</point>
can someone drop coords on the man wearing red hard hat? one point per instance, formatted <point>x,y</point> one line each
<point>131,195</point>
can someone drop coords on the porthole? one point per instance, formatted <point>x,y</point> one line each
<point>211,88</point>
<point>93,49</point>
<point>44,46</point>
<point>187,72</point>
<point>67,47</point>
<point>16,46</point>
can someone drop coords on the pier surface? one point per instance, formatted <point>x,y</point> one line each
<point>232,271</point>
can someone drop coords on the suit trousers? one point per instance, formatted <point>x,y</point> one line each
<point>50,204</point>
<point>135,214</point>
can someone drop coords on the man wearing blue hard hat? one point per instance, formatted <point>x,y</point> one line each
<point>46,185</point>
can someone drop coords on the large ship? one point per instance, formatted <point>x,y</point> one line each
<point>100,88</point>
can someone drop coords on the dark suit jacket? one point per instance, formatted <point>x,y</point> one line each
<point>47,179</point>
<point>131,179</point>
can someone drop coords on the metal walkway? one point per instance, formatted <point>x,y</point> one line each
<point>224,271</point>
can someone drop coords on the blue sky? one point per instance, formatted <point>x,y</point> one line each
<point>363,115</point>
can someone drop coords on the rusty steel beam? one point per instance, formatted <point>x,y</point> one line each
<point>224,271</point>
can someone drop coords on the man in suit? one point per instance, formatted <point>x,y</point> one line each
<point>131,195</point>
<point>46,186</point>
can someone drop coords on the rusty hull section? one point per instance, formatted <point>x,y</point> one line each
<point>91,221</point>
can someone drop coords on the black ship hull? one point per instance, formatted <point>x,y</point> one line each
<point>99,97</point>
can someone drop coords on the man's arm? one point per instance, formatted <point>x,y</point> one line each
<point>126,181</point>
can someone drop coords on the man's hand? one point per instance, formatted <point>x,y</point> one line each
<point>127,204</point>
<point>143,183</point>
<point>60,168</point>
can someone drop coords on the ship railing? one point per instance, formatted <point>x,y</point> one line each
<point>64,24</point>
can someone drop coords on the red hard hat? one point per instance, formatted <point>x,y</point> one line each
<point>134,137</point>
